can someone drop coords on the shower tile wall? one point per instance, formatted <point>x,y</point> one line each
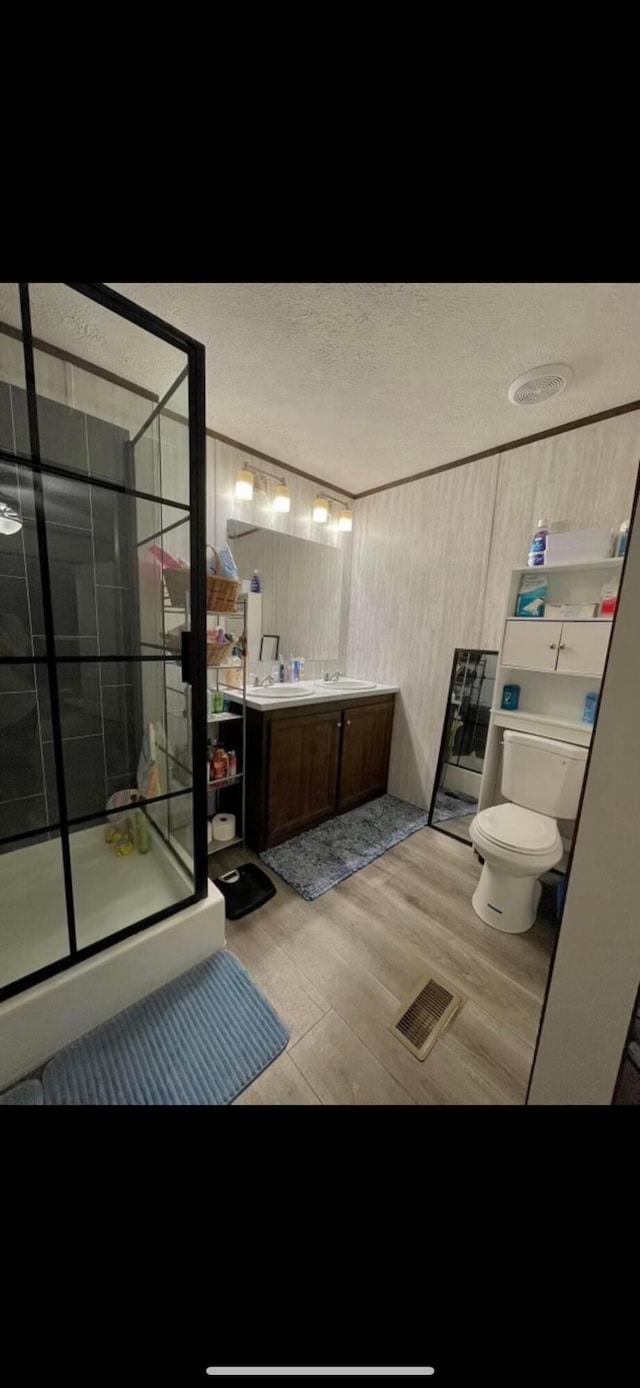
<point>93,606</point>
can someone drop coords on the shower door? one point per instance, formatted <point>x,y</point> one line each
<point>102,652</point>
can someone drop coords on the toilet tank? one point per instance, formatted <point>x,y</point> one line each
<point>542,774</point>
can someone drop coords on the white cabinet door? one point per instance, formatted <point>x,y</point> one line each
<point>531,643</point>
<point>583,647</point>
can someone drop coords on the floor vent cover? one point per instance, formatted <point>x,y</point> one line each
<point>424,1016</point>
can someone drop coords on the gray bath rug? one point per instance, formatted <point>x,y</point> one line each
<point>313,862</point>
<point>452,806</point>
<point>27,1094</point>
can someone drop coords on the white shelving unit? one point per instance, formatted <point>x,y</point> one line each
<point>234,622</point>
<point>555,662</point>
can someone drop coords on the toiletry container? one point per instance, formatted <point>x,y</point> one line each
<point>621,542</point>
<point>608,599</point>
<point>590,709</point>
<point>255,582</point>
<point>510,696</point>
<point>233,764</point>
<point>538,546</point>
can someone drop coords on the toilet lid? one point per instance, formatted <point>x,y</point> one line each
<point>511,826</point>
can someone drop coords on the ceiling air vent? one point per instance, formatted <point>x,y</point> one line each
<point>540,384</point>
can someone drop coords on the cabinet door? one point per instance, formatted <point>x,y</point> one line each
<point>531,643</point>
<point>583,647</point>
<point>366,744</point>
<point>302,773</point>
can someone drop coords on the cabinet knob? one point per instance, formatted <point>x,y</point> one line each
<point>348,722</point>
<point>552,646</point>
<point>338,725</point>
<point>561,646</point>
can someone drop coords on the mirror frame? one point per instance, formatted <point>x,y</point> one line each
<point>472,651</point>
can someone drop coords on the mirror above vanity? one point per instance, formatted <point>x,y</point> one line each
<point>301,587</point>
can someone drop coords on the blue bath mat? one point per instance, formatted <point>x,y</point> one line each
<point>199,1040</point>
<point>315,861</point>
<point>28,1093</point>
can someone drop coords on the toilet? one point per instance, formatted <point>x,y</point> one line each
<point>519,841</point>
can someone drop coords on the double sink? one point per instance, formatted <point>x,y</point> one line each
<point>300,689</point>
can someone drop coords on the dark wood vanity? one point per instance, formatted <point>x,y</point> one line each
<point>307,764</point>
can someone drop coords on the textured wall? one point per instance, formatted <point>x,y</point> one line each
<point>417,590</point>
<point>586,477</point>
<point>431,563</point>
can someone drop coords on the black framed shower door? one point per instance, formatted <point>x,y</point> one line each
<point>98,661</point>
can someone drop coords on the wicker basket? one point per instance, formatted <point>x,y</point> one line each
<point>222,593</point>
<point>217,650</point>
<point>177,583</point>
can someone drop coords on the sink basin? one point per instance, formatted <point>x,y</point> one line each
<point>282,691</point>
<point>344,684</point>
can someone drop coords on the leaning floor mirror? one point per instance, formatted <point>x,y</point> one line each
<point>464,738</point>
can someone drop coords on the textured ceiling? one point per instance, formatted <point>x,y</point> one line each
<point>362,384</point>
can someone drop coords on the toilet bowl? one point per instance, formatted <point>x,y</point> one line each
<point>517,845</point>
<point>520,840</point>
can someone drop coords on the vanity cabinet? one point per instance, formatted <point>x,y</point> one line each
<point>570,648</point>
<point>307,765</point>
<point>364,760</point>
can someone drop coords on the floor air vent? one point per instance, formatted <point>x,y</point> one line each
<point>423,1018</point>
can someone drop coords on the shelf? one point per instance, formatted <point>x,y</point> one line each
<point>557,674</point>
<point>569,568</point>
<point>223,783</point>
<point>575,724</point>
<point>529,620</point>
<point>223,717</point>
<point>215,847</point>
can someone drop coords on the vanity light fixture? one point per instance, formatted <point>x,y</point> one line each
<point>10,521</point>
<point>244,485</point>
<point>282,499</point>
<point>321,510</point>
<point>345,519</point>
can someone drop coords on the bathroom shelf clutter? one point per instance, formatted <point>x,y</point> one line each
<point>556,661</point>
<point>227,729</point>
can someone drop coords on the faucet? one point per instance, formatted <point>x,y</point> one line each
<point>260,684</point>
<point>332,678</point>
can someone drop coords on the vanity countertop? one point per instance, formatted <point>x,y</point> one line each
<point>257,699</point>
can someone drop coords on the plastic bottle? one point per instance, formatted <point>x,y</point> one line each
<point>621,542</point>
<point>255,582</point>
<point>142,833</point>
<point>538,546</point>
<point>233,764</point>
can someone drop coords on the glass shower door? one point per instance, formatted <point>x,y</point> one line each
<point>110,488</point>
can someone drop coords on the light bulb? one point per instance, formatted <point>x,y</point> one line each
<point>321,510</point>
<point>282,499</point>
<point>244,485</point>
<point>345,520</point>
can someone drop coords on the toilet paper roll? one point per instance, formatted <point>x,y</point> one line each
<point>224,827</point>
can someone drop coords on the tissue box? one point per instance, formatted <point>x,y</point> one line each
<point>566,611</point>
<point>532,596</point>
<point>578,546</point>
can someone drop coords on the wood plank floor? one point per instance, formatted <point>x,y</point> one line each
<point>337,969</point>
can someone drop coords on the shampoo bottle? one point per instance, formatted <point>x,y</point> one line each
<point>255,582</point>
<point>621,541</point>
<point>538,546</point>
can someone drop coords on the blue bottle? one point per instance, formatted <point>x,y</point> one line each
<point>510,696</point>
<point>590,709</point>
<point>538,546</point>
<point>255,582</point>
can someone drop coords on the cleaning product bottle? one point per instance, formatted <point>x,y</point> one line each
<point>142,832</point>
<point>621,542</point>
<point>538,546</point>
<point>255,582</point>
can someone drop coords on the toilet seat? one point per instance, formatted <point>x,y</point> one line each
<point>523,831</point>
